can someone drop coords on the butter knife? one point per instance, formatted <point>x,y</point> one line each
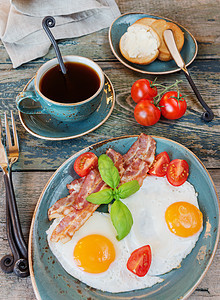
<point>208,115</point>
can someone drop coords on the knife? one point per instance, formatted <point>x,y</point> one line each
<point>208,115</point>
<point>3,156</point>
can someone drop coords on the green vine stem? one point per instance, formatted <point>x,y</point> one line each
<point>157,98</point>
<point>153,84</point>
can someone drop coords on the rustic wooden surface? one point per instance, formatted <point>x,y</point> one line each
<point>39,158</point>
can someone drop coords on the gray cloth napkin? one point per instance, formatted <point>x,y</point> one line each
<point>21,30</point>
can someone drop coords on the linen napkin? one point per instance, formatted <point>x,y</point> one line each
<point>21,23</point>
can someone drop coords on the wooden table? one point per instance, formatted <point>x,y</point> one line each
<point>40,158</point>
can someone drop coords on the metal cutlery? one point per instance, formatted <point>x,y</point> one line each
<point>18,261</point>
<point>208,115</point>
<point>49,22</point>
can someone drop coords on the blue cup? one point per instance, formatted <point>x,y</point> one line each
<point>61,111</point>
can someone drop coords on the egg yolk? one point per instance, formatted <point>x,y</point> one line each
<point>183,219</point>
<point>94,253</point>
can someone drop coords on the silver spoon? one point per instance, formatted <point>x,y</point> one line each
<point>208,115</point>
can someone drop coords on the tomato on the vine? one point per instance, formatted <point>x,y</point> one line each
<point>143,89</point>
<point>84,163</point>
<point>146,113</point>
<point>172,105</point>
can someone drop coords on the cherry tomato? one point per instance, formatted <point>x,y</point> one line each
<point>84,163</point>
<point>140,260</point>
<point>142,89</point>
<point>173,105</point>
<point>146,113</point>
<point>160,164</point>
<point>177,172</point>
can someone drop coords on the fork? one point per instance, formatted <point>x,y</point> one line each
<point>18,263</point>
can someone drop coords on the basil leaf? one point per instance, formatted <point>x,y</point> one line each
<point>129,188</point>
<point>116,194</point>
<point>108,171</point>
<point>121,218</point>
<point>105,161</point>
<point>102,197</point>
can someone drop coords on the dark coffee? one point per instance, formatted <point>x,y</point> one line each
<point>79,83</point>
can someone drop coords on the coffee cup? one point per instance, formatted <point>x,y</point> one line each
<point>70,97</point>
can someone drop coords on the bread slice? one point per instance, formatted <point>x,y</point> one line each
<point>145,21</point>
<point>160,26</point>
<point>164,56</point>
<point>140,44</point>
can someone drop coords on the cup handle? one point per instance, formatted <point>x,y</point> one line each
<point>29,95</point>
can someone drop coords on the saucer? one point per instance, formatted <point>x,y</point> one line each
<point>119,27</point>
<point>44,126</point>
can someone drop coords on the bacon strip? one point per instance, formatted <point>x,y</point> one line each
<point>71,223</point>
<point>64,206</point>
<point>75,185</point>
<point>118,160</point>
<point>138,159</point>
<point>144,148</point>
<point>133,165</point>
<point>81,209</point>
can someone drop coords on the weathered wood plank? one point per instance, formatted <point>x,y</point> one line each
<point>202,138</point>
<point>203,23</point>
<point>32,183</point>
<point>201,18</point>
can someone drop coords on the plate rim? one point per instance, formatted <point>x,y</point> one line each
<point>30,240</point>
<point>143,71</point>
<point>71,136</point>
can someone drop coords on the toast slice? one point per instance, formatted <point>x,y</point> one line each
<point>164,56</point>
<point>160,26</point>
<point>140,44</point>
<point>145,21</point>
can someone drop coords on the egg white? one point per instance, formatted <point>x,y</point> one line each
<point>148,208</point>
<point>117,278</point>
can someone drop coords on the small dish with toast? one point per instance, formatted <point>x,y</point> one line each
<point>136,40</point>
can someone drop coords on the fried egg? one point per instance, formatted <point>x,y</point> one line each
<point>154,209</point>
<point>163,216</point>
<point>97,258</point>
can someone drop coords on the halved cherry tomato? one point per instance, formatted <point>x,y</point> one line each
<point>173,105</point>
<point>177,172</point>
<point>84,163</point>
<point>146,113</point>
<point>140,260</point>
<point>160,164</point>
<point>143,89</point>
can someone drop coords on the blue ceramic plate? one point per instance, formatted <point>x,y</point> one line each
<point>51,282</point>
<point>46,127</point>
<point>119,27</point>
